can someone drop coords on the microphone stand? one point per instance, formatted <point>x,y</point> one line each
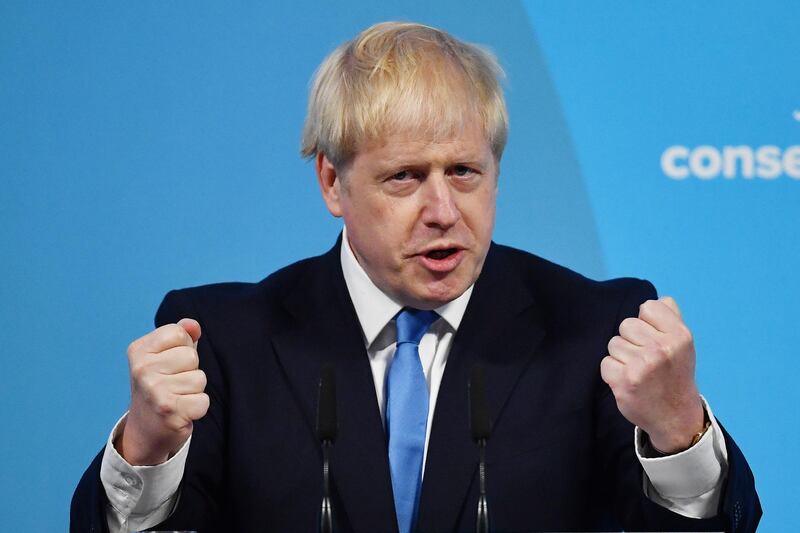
<point>482,525</point>
<point>326,433</point>
<point>326,511</point>
<point>481,428</point>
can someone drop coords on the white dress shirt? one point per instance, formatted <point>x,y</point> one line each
<point>688,483</point>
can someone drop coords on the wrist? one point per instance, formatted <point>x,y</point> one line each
<point>136,449</point>
<point>677,442</point>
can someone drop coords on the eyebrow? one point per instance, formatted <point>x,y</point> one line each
<point>385,165</point>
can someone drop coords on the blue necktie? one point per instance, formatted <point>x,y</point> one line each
<point>407,414</point>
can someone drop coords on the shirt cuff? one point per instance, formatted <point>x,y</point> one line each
<point>692,472</point>
<point>139,490</point>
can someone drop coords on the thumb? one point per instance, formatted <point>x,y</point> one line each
<point>670,302</point>
<point>192,327</point>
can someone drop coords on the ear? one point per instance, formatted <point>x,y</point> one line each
<point>329,184</point>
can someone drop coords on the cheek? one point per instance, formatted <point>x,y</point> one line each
<point>377,230</point>
<point>395,220</point>
<point>479,213</point>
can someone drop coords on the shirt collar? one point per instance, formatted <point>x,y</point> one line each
<point>374,308</point>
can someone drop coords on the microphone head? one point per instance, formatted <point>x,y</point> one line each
<point>326,406</point>
<point>479,421</point>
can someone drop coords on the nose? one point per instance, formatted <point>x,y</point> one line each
<point>440,209</point>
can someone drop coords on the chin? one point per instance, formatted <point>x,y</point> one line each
<point>437,296</point>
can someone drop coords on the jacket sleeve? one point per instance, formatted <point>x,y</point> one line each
<point>621,474</point>
<point>200,490</point>
<point>197,504</point>
<point>88,508</point>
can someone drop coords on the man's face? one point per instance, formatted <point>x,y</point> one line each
<point>419,214</point>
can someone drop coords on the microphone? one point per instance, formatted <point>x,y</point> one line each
<point>326,433</point>
<point>481,428</point>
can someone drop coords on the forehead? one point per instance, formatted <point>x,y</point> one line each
<point>419,145</point>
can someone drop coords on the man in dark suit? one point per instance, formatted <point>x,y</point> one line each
<point>407,126</point>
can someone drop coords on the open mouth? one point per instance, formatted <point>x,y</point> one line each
<point>442,260</point>
<point>441,254</point>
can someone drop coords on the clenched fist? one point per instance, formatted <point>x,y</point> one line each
<point>650,369</point>
<point>166,393</point>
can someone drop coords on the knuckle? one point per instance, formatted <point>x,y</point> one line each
<point>614,343</point>
<point>621,398</point>
<point>686,334</point>
<point>634,379</point>
<point>175,335</point>
<point>177,423</point>
<point>206,401</point>
<point>189,358</point>
<point>164,406</point>
<point>185,357</point>
<point>133,348</point>
<point>649,365</point>
<point>611,344</point>
<point>194,358</point>
<point>671,349</point>
<point>662,350</point>
<point>649,342</point>
<point>149,382</point>
<point>647,307</point>
<point>608,374</point>
<point>138,371</point>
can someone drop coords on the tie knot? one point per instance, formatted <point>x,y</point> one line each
<point>413,323</point>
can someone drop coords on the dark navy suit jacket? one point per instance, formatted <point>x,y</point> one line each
<point>560,458</point>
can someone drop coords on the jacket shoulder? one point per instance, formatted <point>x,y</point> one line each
<point>568,295</point>
<point>236,300</point>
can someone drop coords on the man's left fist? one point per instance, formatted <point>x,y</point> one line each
<point>650,369</point>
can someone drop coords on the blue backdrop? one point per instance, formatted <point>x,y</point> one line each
<point>152,145</point>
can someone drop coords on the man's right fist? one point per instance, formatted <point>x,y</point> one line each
<point>166,393</point>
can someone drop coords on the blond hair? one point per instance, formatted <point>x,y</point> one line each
<point>400,76</point>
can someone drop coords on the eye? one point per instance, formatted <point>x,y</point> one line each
<point>401,176</point>
<point>402,182</point>
<point>463,171</point>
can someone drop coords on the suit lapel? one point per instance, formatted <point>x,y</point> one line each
<point>326,331</point>
<point>500,331</point>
